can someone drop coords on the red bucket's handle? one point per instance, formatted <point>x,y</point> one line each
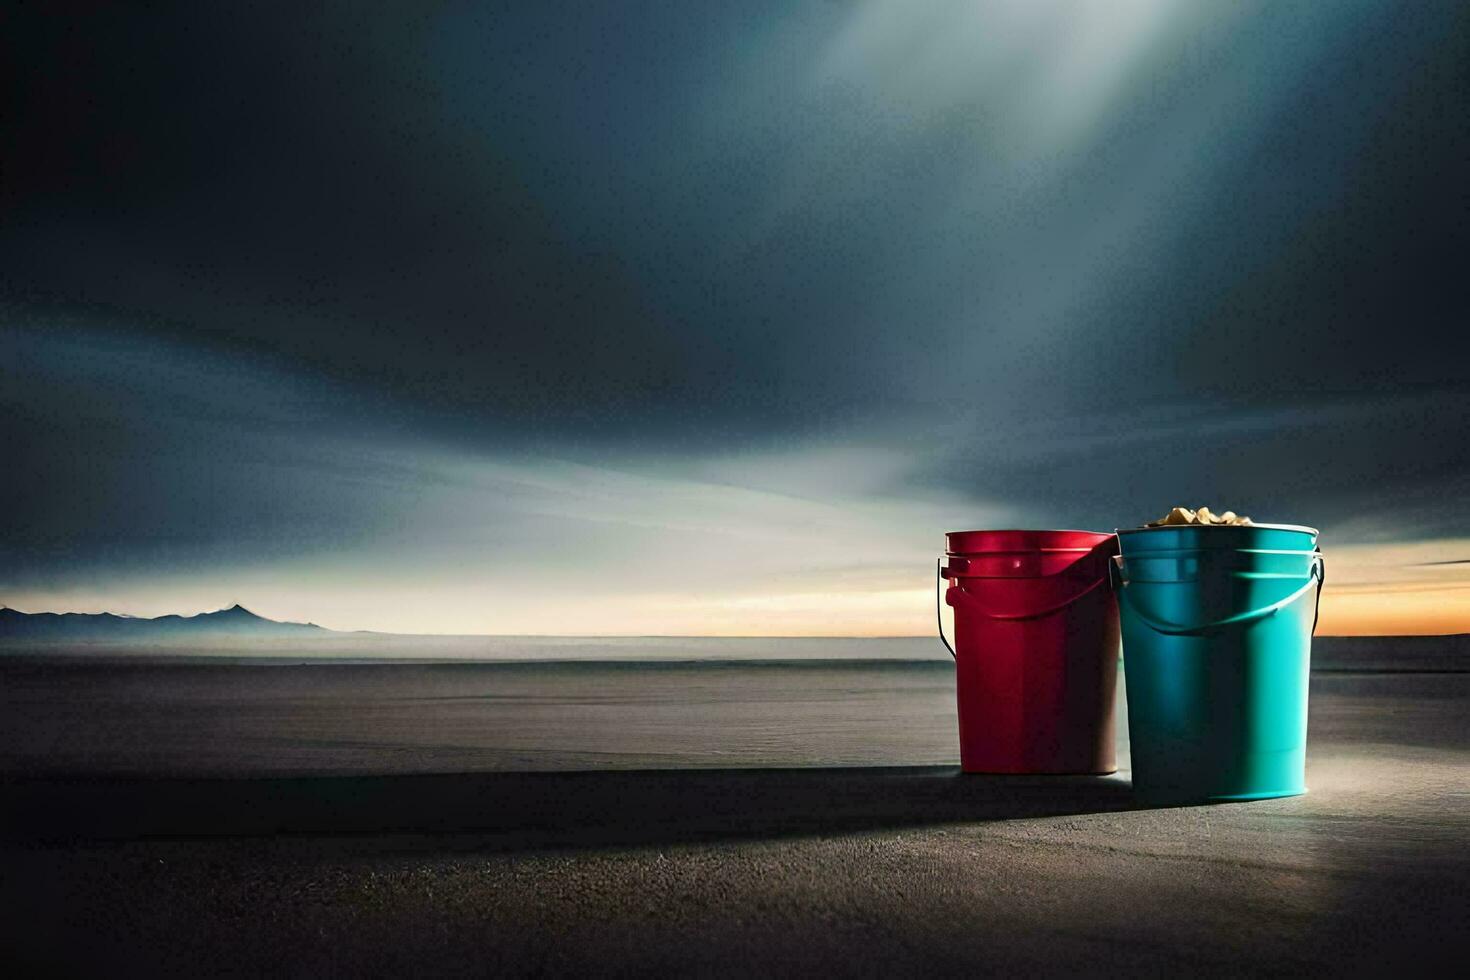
<point>939,605</point>
<point>974,603</point>
<point>1036,614</point>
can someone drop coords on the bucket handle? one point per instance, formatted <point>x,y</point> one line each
<point>1317,579</point>
<point>973,604</point>
<point>939,605</point>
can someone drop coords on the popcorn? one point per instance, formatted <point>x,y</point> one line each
<point>1183,515</point>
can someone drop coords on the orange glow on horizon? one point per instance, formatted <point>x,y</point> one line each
<point>1389,611</point>
<point>1407,589</point>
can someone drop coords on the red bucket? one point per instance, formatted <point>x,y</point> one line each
<point>1036,649</point>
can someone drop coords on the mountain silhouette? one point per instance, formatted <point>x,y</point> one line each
<point>234,621</point>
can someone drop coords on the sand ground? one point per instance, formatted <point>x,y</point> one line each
<point>856,871</point>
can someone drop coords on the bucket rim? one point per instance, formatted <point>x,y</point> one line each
<point>1013,541</point>
<point>1222,527</point>
<point>1037,530</point>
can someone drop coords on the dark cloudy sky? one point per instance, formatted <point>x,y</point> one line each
<point>709,317</point>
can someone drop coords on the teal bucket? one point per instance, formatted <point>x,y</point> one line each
<point>1217,628</point>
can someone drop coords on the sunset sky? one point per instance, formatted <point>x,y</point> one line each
<point>708,318</point>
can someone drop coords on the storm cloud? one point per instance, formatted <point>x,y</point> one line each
<point>473,293</point>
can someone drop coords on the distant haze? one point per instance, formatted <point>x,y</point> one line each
<point>237,636</point>
<point>710,319</point>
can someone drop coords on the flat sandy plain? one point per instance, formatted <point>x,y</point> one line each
<point>850,869</point>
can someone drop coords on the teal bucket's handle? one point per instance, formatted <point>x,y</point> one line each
<point>1320,567</point>
<point>1316,579</point>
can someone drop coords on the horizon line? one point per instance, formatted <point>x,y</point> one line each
<point>595,635</point>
